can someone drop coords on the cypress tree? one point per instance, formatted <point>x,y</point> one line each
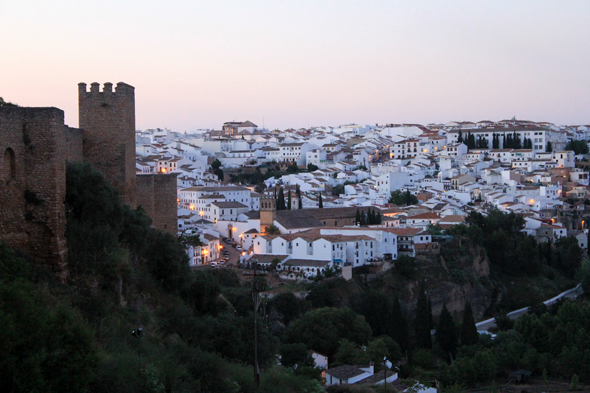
<point>362,222</point>
<point>469,335</point>
<point>422,323</point>
<point>379,218</point>
<point>399,328</point>
<point>289,201</point>
<point>430,320</point>
<point>321,204</point>
<point>549,147</point>
<point>504,141</point>
<point>446,337</point>
<point>281,200</point>
<point>357,219</point>
<point>460,137</point>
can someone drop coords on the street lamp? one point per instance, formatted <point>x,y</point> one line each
<point>137,334</point>
<point>385,372</point>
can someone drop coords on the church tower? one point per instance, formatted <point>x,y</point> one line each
<point>268,211</point>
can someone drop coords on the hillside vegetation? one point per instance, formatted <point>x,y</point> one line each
<point>77,336</point>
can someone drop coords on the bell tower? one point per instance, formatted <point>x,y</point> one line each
<point>268,211</point>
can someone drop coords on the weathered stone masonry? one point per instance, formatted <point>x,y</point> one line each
<point>33,183</point>
<point>107,119</point>
<point>34,147</point>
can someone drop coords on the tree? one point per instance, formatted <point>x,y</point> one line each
<point>446,337</point>
<point>216,164</point>
<point>323,328</point>
<point>460,137</point>
<point>422,323</point>
<point>338,190</point>
<point>357,219</point>
<point>399,325</point>
<point>410,198</point>
<point>4,103</point>
<point>273,230</point>
<point>289,201</point>
<point>549,147</point>
<point>568,255</point>
<point>203,293</point>
<point>287,305</point>
<point>219,173</point>
<point>320,203</point>
<point>405,266</point>
<point>295,354</point>
<point>469,335</point>
<point>281,200</point>
<point>579,147</point>
<point>350,353</point>
<point>400,198</point>
<point>312,168</point>
<point>293,168</point>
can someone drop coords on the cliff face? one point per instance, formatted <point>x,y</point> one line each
<point>459,273</point>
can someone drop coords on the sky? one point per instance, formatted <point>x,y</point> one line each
<point>197,64</point>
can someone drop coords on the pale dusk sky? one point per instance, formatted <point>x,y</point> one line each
<point>197,64</point>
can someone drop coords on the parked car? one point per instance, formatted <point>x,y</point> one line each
<point>239,248</point>
<point>213,264</point>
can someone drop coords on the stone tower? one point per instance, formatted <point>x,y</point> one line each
<point>107,119</point>
<point>268,211</point>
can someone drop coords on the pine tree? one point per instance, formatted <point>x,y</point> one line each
<point>469,335</point>
<point>321,204</point>
<point>357,219</point>
<point>399,328</point>
<point>422,323</point>
<point>446,337</point>
<point>289,201</point>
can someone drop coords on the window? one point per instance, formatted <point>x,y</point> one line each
<point>8,165</point>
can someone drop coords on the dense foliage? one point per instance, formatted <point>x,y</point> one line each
<point>401,198</point>
<point>579,147</point>
<point>76,336</point>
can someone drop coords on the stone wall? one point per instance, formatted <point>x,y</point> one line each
<point>108,120</point>
<point>74,145</point>
<point>156,194</point>
<point>33,184</point>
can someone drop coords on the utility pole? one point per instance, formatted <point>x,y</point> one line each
<point>256,300</point>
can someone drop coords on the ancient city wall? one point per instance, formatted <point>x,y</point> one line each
<point>33,183</point>
<point>156,193</point>
<point>74,145</point>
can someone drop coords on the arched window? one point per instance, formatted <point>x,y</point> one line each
<point>8,165</point>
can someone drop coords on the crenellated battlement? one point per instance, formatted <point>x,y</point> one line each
<point>122,89</point>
